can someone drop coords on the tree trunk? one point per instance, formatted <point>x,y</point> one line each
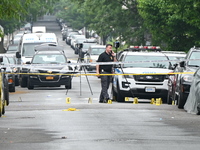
<point>2,49</point>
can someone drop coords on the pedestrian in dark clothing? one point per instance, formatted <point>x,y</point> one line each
<point>107,56</point>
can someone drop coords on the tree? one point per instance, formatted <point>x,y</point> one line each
<point>14,13</point>
<point>171,22</point>
<point>106,17</point>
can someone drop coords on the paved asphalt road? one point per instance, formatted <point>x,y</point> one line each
<point>38,119</point>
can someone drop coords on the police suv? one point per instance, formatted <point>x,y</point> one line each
<point>143,73</point>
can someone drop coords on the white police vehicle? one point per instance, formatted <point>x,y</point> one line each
<point>141,79</point>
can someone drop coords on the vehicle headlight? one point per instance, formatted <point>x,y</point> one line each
<point>187,78</point>
<point>128,76</point>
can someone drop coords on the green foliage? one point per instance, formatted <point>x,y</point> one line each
<point>106,17</point>
<point>174,24</point>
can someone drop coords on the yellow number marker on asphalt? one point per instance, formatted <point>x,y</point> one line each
<point>126,99</point>
<point>109,101</point>
<point>68,100</point>
<point>135,100</point>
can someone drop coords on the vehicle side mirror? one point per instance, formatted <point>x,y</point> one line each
<point>68,61</point>
<point>182,64</point>
<point>18,55</point>
<point>28,62</point>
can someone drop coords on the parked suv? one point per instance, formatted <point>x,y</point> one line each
<point>148,86</point>
<point>184,75</point>
<point>85,46</point>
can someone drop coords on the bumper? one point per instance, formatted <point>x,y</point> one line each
<point>140,93</point>
<point>58,81</point>
<point>185,88</point>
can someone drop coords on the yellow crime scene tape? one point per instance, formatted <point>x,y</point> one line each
<point>78,73</point>
<point>94,74</point>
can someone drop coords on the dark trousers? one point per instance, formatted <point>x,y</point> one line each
<point>105,82</point>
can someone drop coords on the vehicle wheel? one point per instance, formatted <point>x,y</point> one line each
<point>29,86</point>
<point>119,97</point>
<point>16,81</point>
<point>169,99</point>
<point>181,100</point>
<point>2,109</point>
<point>12,89</point>
<point>6,93</point>
<point>23,82</point>
<point>69,86</point>
<point>2,104</point>
<point>114,94</point>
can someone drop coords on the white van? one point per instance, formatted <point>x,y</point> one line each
<point>27,50</point>
<point>39,29</point>
<point>30,40</point>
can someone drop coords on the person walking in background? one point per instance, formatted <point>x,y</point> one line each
<point>107,56</point>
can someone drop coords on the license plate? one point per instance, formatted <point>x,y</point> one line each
<point>150,89</point>
<point>49,78</point>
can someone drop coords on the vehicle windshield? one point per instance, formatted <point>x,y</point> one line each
<point>176,57</point>
<point>49,59</point>
<point>5,61</point>
<point>87,45</point>
<point>156,64</point>
<point>97,51</point>
<point>12,48</point>
<point>29,48</point>
<point>11,59</point>
<point>194,55</point>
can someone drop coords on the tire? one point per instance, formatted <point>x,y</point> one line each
<point>12,89</point>
<point>16,81</point>
<point>69,86</point>
<point>2,104</point>
<point>181,100</point>
<point>114,94</point>
<point>119,97</point>
<point>23,82</point>
<point>2,109</point>
<point>6,93</point>
<point>29,86</point>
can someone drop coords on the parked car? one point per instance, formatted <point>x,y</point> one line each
<point>142,86</point>
<point>192,104</point>
<point>9,73</point>
<point>65,32</point>
<point>92,55</point>
<point>69,36</point>
<point>184,75</point>
<point>175,56</point>
<point>4,88</point>
<point>49,76</point>
<point>12,48</point>
<point>77,46</point>
<point>85,46</point>
<point>15,70</point>
<point>74,38</point>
